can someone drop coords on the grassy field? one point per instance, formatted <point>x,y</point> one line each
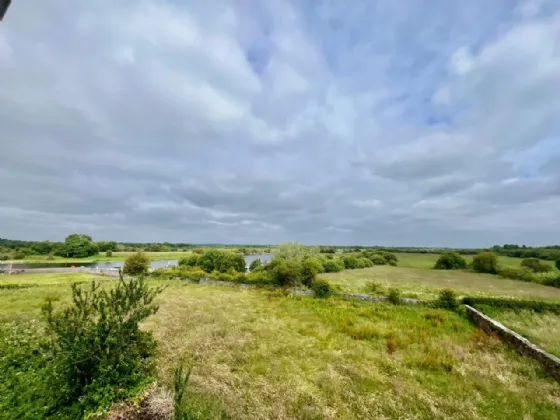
<point>429,260</point>
<point>260,355</point>
<point>425,284</point>
<point>543,329</point>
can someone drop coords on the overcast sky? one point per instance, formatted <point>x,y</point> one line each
<point>433,123</point>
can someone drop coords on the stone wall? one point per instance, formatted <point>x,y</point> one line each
<point>550,362</point>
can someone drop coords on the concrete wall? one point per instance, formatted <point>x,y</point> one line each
<point>550,362</point>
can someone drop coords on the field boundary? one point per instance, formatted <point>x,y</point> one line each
<point>550,362</point>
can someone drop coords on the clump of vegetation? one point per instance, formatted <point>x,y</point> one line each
<point>350,262</point>
<point>180,380</point>
<point>395,296</point>
<point>190,260</point>
<point>137,264</point>
<point>4,257</point>
<point>334,265</point>
<point>523,274</point>
<point>310,267</point>
<point>447,299</point>
<point>535,265</point>
<point>485,262</point>
<point>77,246</point>
<point>450,261</point>
<point>255,264</point>
<point>374,288</point>
<point>365,262</point>
<point>557,264</point>
<point>99,354</point>
<point>109,253</point>
<point>513,304</point>
<point>322,288</point>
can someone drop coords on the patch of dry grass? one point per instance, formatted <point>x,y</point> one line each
<point>543,329</point>
<point>262,355</point>
<point>425,284</point>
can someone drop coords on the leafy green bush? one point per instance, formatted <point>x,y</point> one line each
<point>322,288</point>
<point>309,270</point>
<point>334,266</point>
<point>485,262</point>
<point>377,259</point>
<point>221,261</point>
<point>18,255</point>
<point>395,296</point>
<point>137,264</point>
<point>447,299</point>
<point>4,257</point>
<point>374,287</point>
<point>287,273</point>
<point>535,265</point>
<point>389,257</point>
<point>99,353</point>
<point>365,262</point>
<point>450,261</point>
<point>109,253</point>
<point>255,264</point>
<point>350,262</point>
<point>189,260</point>
<point>557,264</point>
<point>554,282</point>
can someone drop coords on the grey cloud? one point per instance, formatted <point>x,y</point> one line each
<point>230,122</point>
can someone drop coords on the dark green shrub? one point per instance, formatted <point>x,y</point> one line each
<point>4,257</point>
<point>287,273</point>
<point>322,289</point>
<point>365,262</point>
<point>221,261</point>
<point>485,262</point>
<point>137,264</point>
<point>350,262</point>
<point>447,300</point>
<point>109,253</point>
<point>555,282</point>
<point>100,354</point>
<point>309,270</point>
<point>450,261</point>
<point>394,296</point>
<point>393,263</point>
<point>239,278</point>
<point>377,259</point>
<point>536,265</point>
<point>255,264</point>
<point>389,257</point>
<point>334,266</point>
<point>190,260</point>
<point>557,264</point>
<point>18,255</point>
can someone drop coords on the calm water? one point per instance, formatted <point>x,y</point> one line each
<point>116,264</point>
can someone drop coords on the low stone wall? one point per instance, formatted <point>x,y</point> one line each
<point>550,362</point>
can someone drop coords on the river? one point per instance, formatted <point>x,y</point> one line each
<point>116,264</point>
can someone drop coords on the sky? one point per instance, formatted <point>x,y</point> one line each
<point>403,122</point>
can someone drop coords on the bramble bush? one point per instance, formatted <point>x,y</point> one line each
<point>99,353</point>
<point>450,261</point>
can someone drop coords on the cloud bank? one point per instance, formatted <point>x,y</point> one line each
<point>366,122</point>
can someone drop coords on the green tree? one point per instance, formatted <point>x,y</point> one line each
<point>350,262</point>
<point>295,251</point>
<point>450,261</point>
<point>485,262</point>
<point>136,264</point>
<point>77,246</point>
<point>109,253</point>
<point>287,273</point>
